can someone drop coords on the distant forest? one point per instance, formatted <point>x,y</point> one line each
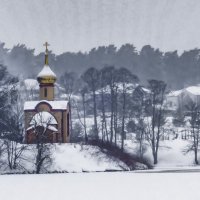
<point>177,71</point>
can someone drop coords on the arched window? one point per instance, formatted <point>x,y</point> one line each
<point>45,92</point>
<point>43,118</point>
<point>43,124</point>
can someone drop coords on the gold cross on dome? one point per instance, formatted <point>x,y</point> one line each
<point>46,62</point>
<point>46,44</point>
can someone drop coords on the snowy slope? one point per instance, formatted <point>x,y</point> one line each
<point>77,158</point>
<point>171,154</point>
<point>72,158</point>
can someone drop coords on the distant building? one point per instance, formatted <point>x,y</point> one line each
<point>181,98</point>
<point>141,92</point>
<point>173,100</point>
<point>46,113</point>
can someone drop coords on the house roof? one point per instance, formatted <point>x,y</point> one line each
<point>57,105</point>
<point>146,90</point>
<point>175,93</point>
<point>195,90</point>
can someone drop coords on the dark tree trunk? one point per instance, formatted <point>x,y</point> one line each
<point>196,157</point>
<point>104,123</point>
<point>112,114</point>
<point>155,158</point>
<point>95,116</point>
<point>84,116</point>
<point>123,120</point>
<point>70,116</point>
<point>115,117</point>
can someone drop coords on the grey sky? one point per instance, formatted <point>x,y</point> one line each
<point>73,25</point>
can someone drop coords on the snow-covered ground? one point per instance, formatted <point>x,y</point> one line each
<point>171,154</point>
<point>101,186</point>
<point>78,158</point>
<point>72,158</point>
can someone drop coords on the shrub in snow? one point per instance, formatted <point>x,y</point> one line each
<point>77,135</point>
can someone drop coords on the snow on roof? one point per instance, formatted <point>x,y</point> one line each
<point>146,90</point>
<point>175,93</point>
<point>46,71</point>
<point>57,105</point>
<point>52,128</point>
<point>31,84</point>
<point>43,119</point>
<point>193,90</point>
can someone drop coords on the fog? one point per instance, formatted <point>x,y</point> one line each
<point>70,25</point>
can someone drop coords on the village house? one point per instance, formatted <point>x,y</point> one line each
<point>173,100</point>
<point>180,98</point>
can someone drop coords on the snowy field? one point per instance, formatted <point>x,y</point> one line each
<point>101,186</point>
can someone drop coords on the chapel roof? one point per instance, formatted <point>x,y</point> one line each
<point>46,72</point>
<point>55,105</point>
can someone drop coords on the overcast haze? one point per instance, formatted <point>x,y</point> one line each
<point>73,25</point>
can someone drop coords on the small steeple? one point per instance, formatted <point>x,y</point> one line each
<point>46,74</point>
<point>46,79</point>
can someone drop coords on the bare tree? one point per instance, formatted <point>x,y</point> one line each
<point>140,122</point>
<point>109,82</point>
<point>2,153</point>
<point>83,92</point>
<point>6,100</point>
<point>91,78</point>
<point>68,82</point>
<point>193,111</point>
<point>43,148</point>
<point>14,154</point>
<point>126,78</point>
<point>103,87</point>
<point>14,136</point>
<point>111,77</point>
<point>156,115</point>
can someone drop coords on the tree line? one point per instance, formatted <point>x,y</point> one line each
<point>176,70</point>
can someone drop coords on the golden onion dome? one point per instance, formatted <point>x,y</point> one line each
<point>46,75</point>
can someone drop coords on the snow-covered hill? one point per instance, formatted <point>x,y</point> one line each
<point>78,158</point>
<point>73,157</point>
